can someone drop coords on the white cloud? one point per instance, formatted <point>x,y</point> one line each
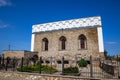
<point>111,43</point>
<point>5,3</point>
<point>3,25</point>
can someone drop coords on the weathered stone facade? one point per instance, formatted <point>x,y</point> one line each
<point>12,54</point>
<point>72,43</point>
<point>71,30</point>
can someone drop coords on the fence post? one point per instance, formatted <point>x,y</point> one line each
<point>0,61</point>
<point>3,65</point>
<point>51,65</point>
<point>76,59</point>
<point>13,63</point>
<point>119,70</point>
<point>62,65</point>
<point>22,64</point>
<point>91,67</point>
<point>40,62</point>
<point>118,67</point>
<point>6,64</point>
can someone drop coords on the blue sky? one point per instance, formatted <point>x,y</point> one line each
<point>18,16</point>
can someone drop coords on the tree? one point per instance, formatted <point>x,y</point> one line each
<point>117,58</point>
<point>109,57</point>
<point>105,54</point>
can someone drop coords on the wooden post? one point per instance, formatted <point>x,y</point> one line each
<point>91,67</point>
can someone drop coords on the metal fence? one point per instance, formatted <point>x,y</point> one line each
<point>94,69</point>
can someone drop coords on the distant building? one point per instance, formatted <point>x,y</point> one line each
<point>18,54</point>
<point>80,37</point>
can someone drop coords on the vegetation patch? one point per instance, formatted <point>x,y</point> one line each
<point>71,70</point>
<point>82,63</point>
<point>36,68</point>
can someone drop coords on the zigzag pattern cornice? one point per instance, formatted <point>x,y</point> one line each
<point>67,24</point>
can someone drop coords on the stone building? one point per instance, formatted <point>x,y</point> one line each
<point>73,38</point>
<point>18,54</point>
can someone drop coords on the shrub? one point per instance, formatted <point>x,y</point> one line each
<point>25,68</point>
<point>46,68</point>
<point>82,63</point>
<point>71,70</point>
<point>35,67</point>
<point>18,68</point>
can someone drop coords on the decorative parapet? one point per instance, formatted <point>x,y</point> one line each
<point>68,24</point>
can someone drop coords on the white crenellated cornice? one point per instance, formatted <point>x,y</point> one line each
<point>68,24</point>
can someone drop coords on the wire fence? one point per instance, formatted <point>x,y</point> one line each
<point>62,66</point>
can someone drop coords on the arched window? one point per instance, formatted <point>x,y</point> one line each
<point>62,43</point>
<point>45,44</point>
<point>82,42</point>
<point>35,58</point>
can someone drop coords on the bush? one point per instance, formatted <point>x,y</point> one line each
<point>35,67</point>
<point>82,63</point>
<point>25,68</point>
<point>46,68</point>
<point>18,68</point>
<point>71,70</point>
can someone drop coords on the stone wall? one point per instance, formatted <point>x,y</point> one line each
<point>30,54</point>
<point>18,53</point>
<point>72,48</point>
<point>13,53</point>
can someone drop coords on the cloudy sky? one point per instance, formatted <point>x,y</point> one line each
<point>18,16</point>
